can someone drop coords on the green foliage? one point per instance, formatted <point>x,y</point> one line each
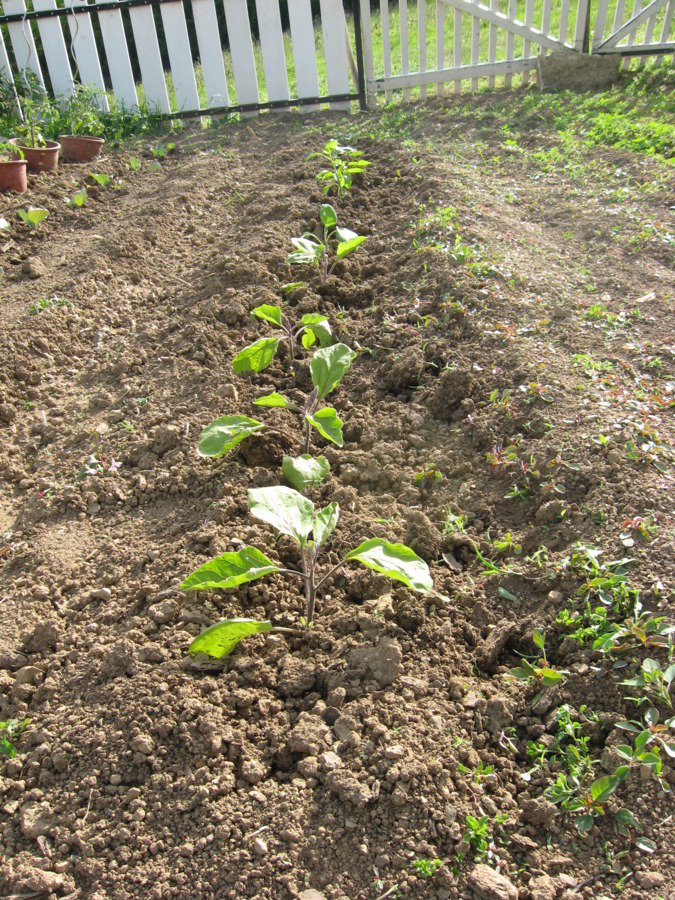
<point>291,514</point>
<point>539,671</point>
<point>427,868</point>
<point>221,638</point>
<point>482,834</point>
<point>33,217</point>
<point>344,163</point>
<point>78,199</point>
<point>312,328</point>
<point>45,304</point>
<point>653,683</point>
<point>314,251</point>
<point>225,433</point>
<point>305,471</point>
<point>10,731</point>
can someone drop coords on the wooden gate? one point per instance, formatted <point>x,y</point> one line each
<point>644,31</point>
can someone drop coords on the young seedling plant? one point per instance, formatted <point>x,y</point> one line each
<point>311,250</point>
<point>539,671</point>
<point>344,163</point>
<point>327,368</point>
<point>291,514</point>
<point>312,328</point>
<point>33,217</point>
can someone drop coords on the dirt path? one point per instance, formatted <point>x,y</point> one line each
<point>510,341</point>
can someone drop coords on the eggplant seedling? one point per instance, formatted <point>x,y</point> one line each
<point>33,217</point>
<point>311,250</point>
<point>311,329</point>
<point>291,514</point>
<point>328,367</point>
<point>344,162</point>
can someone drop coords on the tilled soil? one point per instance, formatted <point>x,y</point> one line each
<point>333,761</point>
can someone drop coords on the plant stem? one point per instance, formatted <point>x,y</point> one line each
<point>331,572</point>
<point>308,435</point>
<point>308,566</point>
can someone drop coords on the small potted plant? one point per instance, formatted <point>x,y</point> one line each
<point>40,154</point>
<point>12,171</point>
<point>84,143</point>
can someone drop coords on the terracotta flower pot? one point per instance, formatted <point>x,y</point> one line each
<point>39,159</point>
<point>13,175</point>
<point>78,148</point>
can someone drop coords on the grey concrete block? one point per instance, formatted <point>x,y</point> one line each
<point>569,70</point>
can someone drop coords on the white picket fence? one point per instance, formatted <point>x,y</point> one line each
<point>410,45</point>
<point>470,44</point>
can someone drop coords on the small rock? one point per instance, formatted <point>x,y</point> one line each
<point>101,594</point>
<point>396,751</point>
<point>260,847</point>
<point>253,770</point>
<point>7,413</point>
<point>29,675</point>
<point>35,819</point>
<point>164,612</point>
<point>143,743</point>
<point>487,884</point>
<point>33,267</point>
<point>330,761</point>
<point>538,812</point>
<point>382,662</point>
<point>348,788</point>
<point>297,677</point>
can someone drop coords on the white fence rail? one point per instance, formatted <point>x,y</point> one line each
<point>408,45</point>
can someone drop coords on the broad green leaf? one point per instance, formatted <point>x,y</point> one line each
<point>79,198</point>
<point>328,215</point>
<point>538,639</point>
<point>229,570</point>
<point>317,328</point>
<point>642,740</point>
<point>650,759</point>
<point>622,772</point>
<point>643,843</point>
<point>134,163</point>
<point>292,286</point>
<point>652,716</point>
<point>268,313</point>
<point>284,509</point>
<point>303,471</point>
<point>604,787</point>
<point>325,522</point>
<point>346,248</point>
<point>519,673</point>
<point>275,399</point>
<point>344,235</point>
<point>329,366</point>
<point>308,251</point>
<point>550,676</point>
<point>328,424</point>
<point>396,561</point>
<point>33,216</point>
<point>669,675</point>
<point>102,180</point>
<point>256,357</point>
<point>223,434</point>
<point>629,726</point>
<point>584,823</point>
<point>651,666</point>
<point>668,747</point>
<point>221,638</point>
<point>626,817</point>
<point>625,751</point>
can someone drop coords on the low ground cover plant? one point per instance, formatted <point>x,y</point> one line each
<point>292,514</point>
<point>327,368</point>
<point>343,163</point>
<point>336,243</point>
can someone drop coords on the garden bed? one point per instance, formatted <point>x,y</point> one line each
<point>506,416</point>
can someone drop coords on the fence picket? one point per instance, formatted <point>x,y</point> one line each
<point>368,63</point>
<point>637,6</point>
<point>386,44</point>
<point>83,47</point>
<point>180,56</point>
<point>117,54</point>
<point>241,47</point>
<point>54,48</point>
<point>475,48</point>
<point>665,30</point>
<point>600,22</point>
<point>529,20</point>
<point>304,48</point>
<point>564,20</point>
<point>6,69</point>
<point>440,42</point>
<point>492,42</point>
<point>149,59</point>
<point>510,38</point>
<point>210,53</point>
<point>580,25</point>
<point>405,50</point>
<point>335,48</point>
<point>422,42</point>
<point>22,41</point>
<point>649,34</point>
<point>272,46</point>
<point>457,47</point>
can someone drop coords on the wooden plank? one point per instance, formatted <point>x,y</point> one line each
<point>440,42</point>
<point>492,43</point>
<point>475,49</point>
<point>631,37</point>
<point>457,47</point>
<point>210,52</point>
<point>527,46</point>
<point>640,49</point>
<point>54,48</point>
<point>86,54</point>
<point>510,39</point>
<point>648,38</point>
<point>150,61</point>
<point>241,48</point>
<point>22,41</point>
<point>600,23</point>
<point>503,21</point>
<point>405,50</point>
<point>422,42</point>
<point>180,56</point>
<point>117,54</point>
<point>334,48</point>
<point>580,25</point>
<point>630,27</point>
<point>368,62</point>
<point>386,44</point>
<point>665,30</point>
<point>272,46</point>
<point>546,17</point>
<point>481,70</point>
<point>564,20</point>
<point>304,48</point>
